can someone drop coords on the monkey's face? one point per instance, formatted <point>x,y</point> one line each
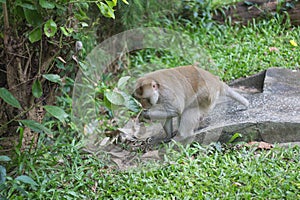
<point>147,93</point>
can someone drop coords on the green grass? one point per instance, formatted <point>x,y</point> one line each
<point>235,51</point>
<point>60,168</point>
<point>66,172</point>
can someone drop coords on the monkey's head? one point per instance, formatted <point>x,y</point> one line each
<point>147,92</point>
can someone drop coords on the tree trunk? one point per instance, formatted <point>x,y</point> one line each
<point>245,11</point>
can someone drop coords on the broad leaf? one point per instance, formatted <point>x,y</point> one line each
<point>37,89</point>
<point>4,159</point>
<point>2,174</point>
<point>52,77</point>
<point>105,10</point>
<point>9,98</point>
<point>122,82</point>
<point>114,97</point>
<point>35,126</point>
<point>50,28</point>
<point>26,179</point>
<point>130,102</point>
<point>111,4</point>
<point>35,35</point>
<point>46,4</point>
<point>57,112</point>
<point>33,17</point>
<point>29,6</point>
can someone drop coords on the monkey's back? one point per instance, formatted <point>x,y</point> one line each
<point>193,85</point>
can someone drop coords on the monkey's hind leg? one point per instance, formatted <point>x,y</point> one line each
<point>189,121</point>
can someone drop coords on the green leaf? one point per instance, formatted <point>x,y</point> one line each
<point>9,98</point>
<point>37,89</point>
<point>33,17</point>
<point>50,28</point>
<point>126,2</point>
<point>35,35</point>
<point>130,102</point>
<point>35,126</point>
<point>57,112</point>
<point>2,1</point>
<point>111,4</point>
<point>52,77</point>
<point>114,97</point>
<point>122,82</point>
<point>105,10</point>
<point>234,137</point>
<point>26,5</point>
<point>2,174</point>
<point>26,179</point>
<point>248,3</point>
<point>65,31</point>
<point>46,4</point>
<point>4,159</point>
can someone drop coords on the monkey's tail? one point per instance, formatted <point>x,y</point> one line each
<point>236,96</point>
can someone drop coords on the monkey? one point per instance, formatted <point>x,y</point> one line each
<point>185,92</point>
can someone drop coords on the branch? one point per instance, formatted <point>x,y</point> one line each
<point>6,23</point>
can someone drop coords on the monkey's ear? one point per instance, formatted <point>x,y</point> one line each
<point>138,92</point>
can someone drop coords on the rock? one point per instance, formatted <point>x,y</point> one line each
<point>273,115</point>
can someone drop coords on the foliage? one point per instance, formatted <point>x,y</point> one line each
<point>62,170</point>
<point>46,32</point>
<point>49,18</point>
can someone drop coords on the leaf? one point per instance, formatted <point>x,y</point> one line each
<point>293,43</point>
<point>126,2</point>
<point>115,2</point>
<point>64,31</point>
<point>114,97</point>
<point>53,78</point>
<point>35,126</point>
<point>37,89</point>
<point>46,4</point>
<point>33,17</point>
<point>2,1</point>
<point>57,112</point>
<point>248,3</point>
<point>2,174</point>
<point>9,98</point>
<point>122,82</point>
<point>26,5</point>
<point>105,10</point>
<point>26,179</point>
<point>130,102</point>
<point>234,137</point>
<point>111,4</point>
<point>50,28</point>
<point>4,159</point>
<point>35,35</point>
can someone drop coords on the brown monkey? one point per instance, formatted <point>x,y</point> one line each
<point>186,92</point>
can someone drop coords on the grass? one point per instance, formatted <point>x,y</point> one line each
<point>60,169</point>
<point>66,172</point>
<point>235,51</point>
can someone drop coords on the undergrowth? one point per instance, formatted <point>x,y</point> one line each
<point>60,169</point>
